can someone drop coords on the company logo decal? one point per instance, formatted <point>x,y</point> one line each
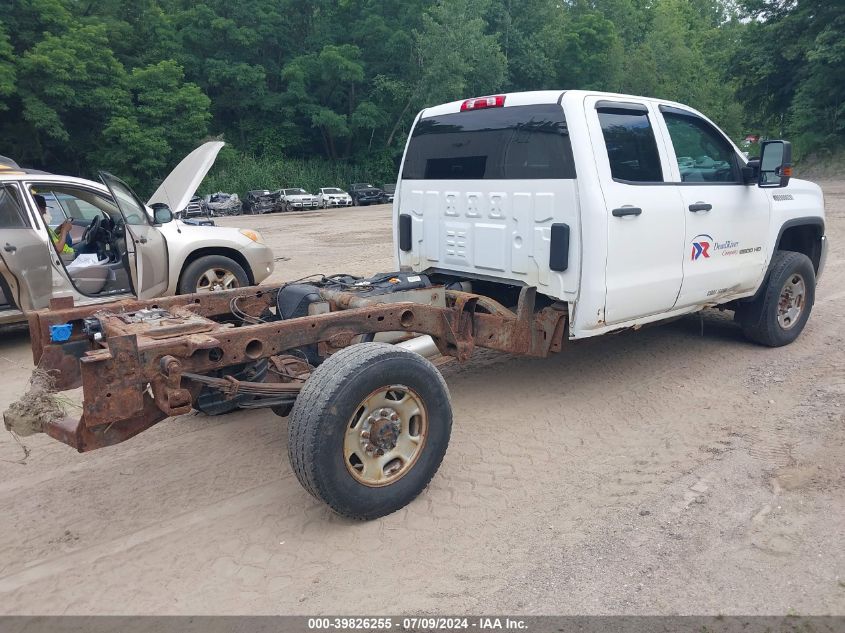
<point>701,246</point>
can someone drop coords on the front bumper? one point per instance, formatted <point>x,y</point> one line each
<point>338,202</point>
<point>261,261</point>
<point>303,205</point>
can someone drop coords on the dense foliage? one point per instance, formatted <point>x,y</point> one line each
<point>332,86</point>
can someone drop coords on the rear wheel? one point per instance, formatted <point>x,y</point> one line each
<point>212,273</point>
<point>369,429</point>
<point>778,315</point>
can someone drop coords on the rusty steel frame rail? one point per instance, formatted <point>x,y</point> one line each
<point>134,377</point>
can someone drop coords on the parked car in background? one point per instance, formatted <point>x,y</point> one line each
<point>199,221</point>
<point>297,200</point>
<point>261,201</point>
<point>333,197</point>
<point>196,207</point>
<point>223,203</point>
<point>132,249</point>
<point>387,193</point>
<point>363,194</point>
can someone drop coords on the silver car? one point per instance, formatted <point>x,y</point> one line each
<point>129,249</point>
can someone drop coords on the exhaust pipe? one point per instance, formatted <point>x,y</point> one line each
<point>422,345</point>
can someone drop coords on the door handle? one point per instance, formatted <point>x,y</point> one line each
<point>700,206</point>
<point>9,248</point>
<point>142,240</point>
<point>623,211</point>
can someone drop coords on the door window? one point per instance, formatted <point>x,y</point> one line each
<point>131,208</point>
<point>703,154</point>
<point>77,204</point>
<point>630,143</point>
<point>12,215</point>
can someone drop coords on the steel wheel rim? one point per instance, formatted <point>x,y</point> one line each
<point>385,436</point>
<point>215,279</point>
<point>791,301</point>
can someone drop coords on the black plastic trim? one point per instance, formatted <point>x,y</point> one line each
<point>405,232</point>
<point>807,221</point>
<point>639,108</point>
<point>559,247</point>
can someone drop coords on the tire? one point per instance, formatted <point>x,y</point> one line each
<point>766,320</point>
<point>326,416</point>
<point>229,272</point>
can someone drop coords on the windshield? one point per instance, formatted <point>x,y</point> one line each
<point>296,192</point>
<point>491,144</point>
<point>332,190</point>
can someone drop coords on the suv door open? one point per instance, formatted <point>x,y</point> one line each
<point>145,245</point>
<point>24,257</point>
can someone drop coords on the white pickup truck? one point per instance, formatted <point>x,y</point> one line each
<point>521,221</point>
<point>629,209</point>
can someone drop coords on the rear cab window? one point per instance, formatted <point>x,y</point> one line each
<point>506,143</point>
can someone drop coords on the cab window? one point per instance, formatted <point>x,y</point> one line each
<point>517,142</point>
<point>630,143</point>
<point>703,154</point>
<point>12,215</point>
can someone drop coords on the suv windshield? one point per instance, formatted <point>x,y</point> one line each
<point>491,144</point>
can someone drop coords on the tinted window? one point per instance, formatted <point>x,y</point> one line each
<point>491,144</point>
<point>12,215</point>
<point>702,153</point>
<point>631,148</point>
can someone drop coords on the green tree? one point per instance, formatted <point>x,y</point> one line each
<point>166,119</point>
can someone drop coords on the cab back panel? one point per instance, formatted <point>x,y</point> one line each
<point>483,190</point>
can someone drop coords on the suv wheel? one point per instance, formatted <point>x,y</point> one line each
<point>212,273</point>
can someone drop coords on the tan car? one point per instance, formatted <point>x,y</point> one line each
<point>132,249</point>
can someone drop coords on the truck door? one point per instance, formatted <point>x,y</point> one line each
<point>25,255</point>
<point>145,245</point>
<point>726,220</point>
<point>645,221</point>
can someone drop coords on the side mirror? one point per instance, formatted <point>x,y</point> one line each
<point>162,214</point>
<point>775,164</point>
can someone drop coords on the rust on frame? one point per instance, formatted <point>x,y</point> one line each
<point>152,358</point>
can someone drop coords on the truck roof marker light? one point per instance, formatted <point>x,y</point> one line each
<point>483,102</point>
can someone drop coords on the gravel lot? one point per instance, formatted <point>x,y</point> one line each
<point>677,469</point>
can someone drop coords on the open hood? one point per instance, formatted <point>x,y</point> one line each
<point>179,187</point>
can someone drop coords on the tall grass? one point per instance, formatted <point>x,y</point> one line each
<point>235,172</point>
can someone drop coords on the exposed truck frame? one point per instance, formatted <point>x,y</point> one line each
<point>145,361</point>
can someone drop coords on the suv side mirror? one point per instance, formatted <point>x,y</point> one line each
<point>162,214</point>
<point>775,164</point>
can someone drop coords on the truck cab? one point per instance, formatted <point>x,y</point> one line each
<point>629,209</point>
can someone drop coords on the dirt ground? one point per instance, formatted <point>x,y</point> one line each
<point>674,470</point>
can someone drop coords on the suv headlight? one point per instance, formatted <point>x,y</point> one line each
<point>255,236</point>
